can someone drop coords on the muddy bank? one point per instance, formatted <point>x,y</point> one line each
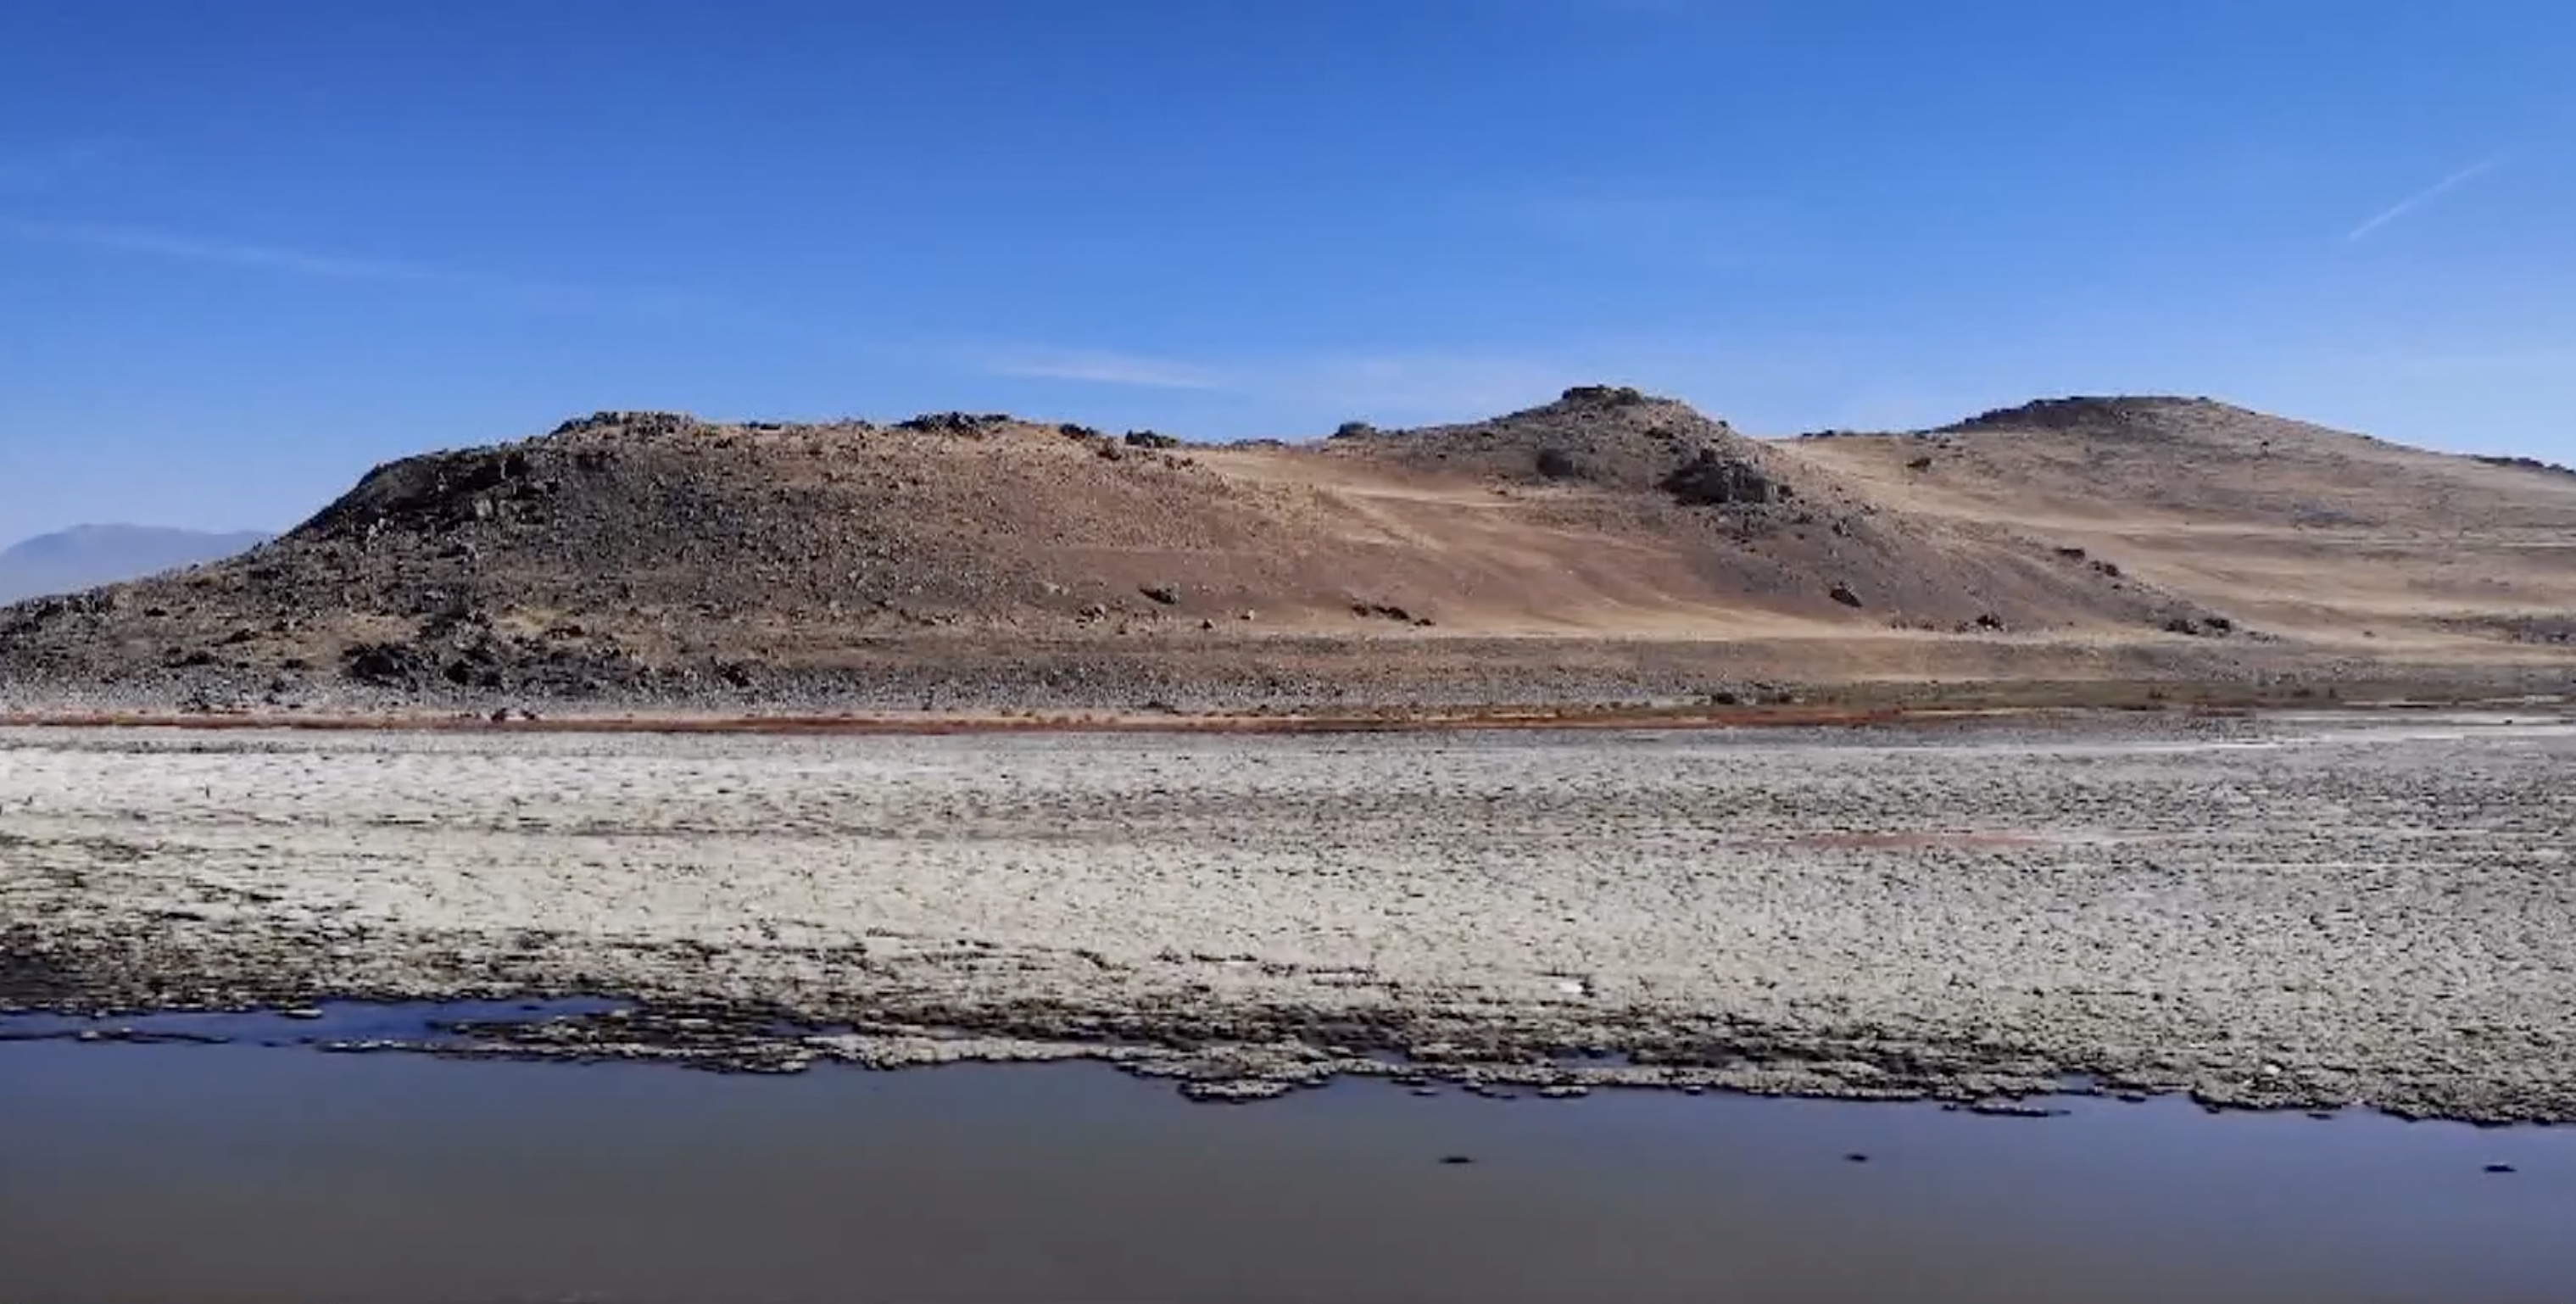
<point>2312,913</point>
<point>1396,676</point>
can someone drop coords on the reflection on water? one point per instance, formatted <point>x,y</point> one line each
<point>233,1172</point>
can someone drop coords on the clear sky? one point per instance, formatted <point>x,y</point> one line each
<point>248,249</point>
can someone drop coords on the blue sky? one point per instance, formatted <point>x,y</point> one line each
<point>249,249</point>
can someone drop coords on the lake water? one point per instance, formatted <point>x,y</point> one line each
<point>245,1171</point>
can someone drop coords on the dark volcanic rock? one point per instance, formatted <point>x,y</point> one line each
<point>1605,396</point>
<point>1713,479</point>
<point>2526,464</point>
<point>1611,437</point>
<point>951,423</point>
<point>2092,414</point>
<point>388,665</point>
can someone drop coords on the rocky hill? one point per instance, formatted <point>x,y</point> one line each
<point>1609,541</point>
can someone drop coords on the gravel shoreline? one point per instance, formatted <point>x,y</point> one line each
<point>931,675</point>
<point>2279,912</point>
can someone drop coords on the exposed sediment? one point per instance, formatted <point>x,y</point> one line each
<point>2309,913</point>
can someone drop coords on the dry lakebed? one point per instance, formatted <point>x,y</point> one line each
<point>2310,911</point>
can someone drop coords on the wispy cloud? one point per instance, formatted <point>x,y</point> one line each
<point>1429,385</point>
<point>1379,384</point>
<point>511,291</point>
<point>1388,386</point>
<point>1101,367</point>
<point>2422,197</point>
<point>194,249</point>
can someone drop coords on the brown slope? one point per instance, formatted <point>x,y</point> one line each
<point>1726,530</point>
<point>2325,535</point>
<point>625,545</point>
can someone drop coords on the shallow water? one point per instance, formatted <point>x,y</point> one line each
<point>239,1172</point>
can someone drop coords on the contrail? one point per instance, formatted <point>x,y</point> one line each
<point>2422,197</point>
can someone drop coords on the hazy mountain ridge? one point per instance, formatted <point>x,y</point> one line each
<point>85,556</point>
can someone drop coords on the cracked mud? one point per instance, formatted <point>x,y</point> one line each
<point>2309,913</point>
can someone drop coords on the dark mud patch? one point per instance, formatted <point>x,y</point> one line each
<point>1235,1059</point>
<point>431,1026</point>
<point>31,976</point>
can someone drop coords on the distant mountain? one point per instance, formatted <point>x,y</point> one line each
<point>88,555</point>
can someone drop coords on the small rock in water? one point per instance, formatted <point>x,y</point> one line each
<point>1235,1091</point>
<point>1565,1091</point>
<point>2006,1108</point>
<point>1426,1091</point>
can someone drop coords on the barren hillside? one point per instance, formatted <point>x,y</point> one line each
<point>2305,531</point>
<point>1608,538</point>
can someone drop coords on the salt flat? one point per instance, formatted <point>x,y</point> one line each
<point>2281,912</point>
